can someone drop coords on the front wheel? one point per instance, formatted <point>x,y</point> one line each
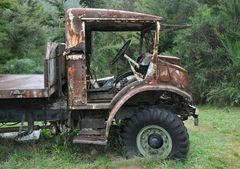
<point>155,132</point>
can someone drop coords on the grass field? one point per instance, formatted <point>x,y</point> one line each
<point>214,144</point>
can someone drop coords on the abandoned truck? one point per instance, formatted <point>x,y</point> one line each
<point>148,103</point>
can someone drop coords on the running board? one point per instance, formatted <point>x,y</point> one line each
<point>90,139</point>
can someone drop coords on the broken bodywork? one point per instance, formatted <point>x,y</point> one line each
<point>67,94</point>
<point>164,74</point>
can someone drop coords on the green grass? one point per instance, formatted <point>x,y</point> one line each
<point>214,144</point>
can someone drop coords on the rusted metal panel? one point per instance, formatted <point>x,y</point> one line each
<point>76,63</point>
<point>173,74</point>
<point>163,73</point>
<point>75,33</point>
<point>50,66</point>
<point>110,14</point>
<point>92,106</point>
<point>76,75</point>
<point>179,77</point>
<point>61,57</point>
<point>170,59</point>
<point>110,20</point>
<point>153,65</point>
<point>54,68</point>
<point>156,41</point>
<point>26,93</point>
<point>11,110</point>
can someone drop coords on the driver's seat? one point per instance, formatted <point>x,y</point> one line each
<point>107,85</point>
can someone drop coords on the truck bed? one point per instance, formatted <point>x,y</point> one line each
<point>22,86</point>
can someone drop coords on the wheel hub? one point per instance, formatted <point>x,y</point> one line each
<point>155,141</point>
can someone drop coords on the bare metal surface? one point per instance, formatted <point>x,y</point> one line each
<point>13,82</point>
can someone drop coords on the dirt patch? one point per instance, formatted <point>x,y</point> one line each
<point>203,128</point>
<point>129,167</point>
<point>237,146</point>
<point>236,149</point>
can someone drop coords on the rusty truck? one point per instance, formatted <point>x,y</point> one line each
<point>149,103</point>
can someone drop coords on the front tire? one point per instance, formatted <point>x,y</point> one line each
<point>155,132</point>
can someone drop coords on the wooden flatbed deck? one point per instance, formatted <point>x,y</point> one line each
<point>22,86</point>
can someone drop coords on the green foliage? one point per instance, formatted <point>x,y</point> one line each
<point>92,3</point>
<point>24,34</point>
<point>5,4</point>
<point>56,24</point>
<point>173,11</point>
<point>17,66</point>
<point>103,54</point>
<point>213,61</point>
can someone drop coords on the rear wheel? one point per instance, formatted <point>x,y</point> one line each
<point>155,132</point>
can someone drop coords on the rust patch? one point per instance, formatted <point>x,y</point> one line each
<point>76,18</point>
<point>170,59</point>
<point>77,87</point>
<point>236,149</point>
<point>110,14</point>
<point>75,33</point>
<point>163,73</point>
<point>172,74</point>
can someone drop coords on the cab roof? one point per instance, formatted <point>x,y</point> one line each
<point>111,20</point>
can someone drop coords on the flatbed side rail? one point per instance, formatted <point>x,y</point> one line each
<point>54,72</point>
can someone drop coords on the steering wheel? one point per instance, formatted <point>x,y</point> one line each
<point>121,52</point>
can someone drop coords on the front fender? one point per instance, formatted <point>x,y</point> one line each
<point>137,87</point>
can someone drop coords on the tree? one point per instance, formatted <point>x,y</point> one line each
<point>92,3</point>
<point>211,52</point>
<point>24,33</point>
<point>56,24</point>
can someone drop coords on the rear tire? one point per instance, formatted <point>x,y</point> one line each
<point>155,132</point>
